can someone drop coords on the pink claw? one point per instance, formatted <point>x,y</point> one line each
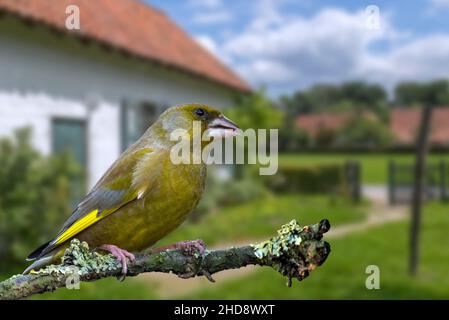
<point>189,245</point>
<point>121,256</point>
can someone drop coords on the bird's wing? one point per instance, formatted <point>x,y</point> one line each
<point>128,179</point>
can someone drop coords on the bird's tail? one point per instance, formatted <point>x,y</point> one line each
<point>39,263</point>
<point>39,257</point>
<point>38,252</point>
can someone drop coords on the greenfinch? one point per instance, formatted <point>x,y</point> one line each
<point>144,195</point>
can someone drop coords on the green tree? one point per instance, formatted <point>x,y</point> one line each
<point>292,138</point>
<point>325,138</point>
<point>364,132</point>
<point>256,111</point>
<point>349,96</point>
<point>318,98</point>
<point>409,94</point>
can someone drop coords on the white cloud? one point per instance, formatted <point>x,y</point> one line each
<point>208,43</point>
<point>211,17</point>
<point>421,59</point>
<point>326,47</point>
<point>266,14</point>
<point>206,3</point>
<point>436,5</point>
<point>266,72</point>
<point>289,52</point>
<point>209,12</point>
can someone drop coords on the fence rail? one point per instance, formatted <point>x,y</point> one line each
<point>401,176</point>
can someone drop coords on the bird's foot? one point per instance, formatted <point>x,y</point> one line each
<point>187,246</point>
<point>192,246</point>
<point>121,255</point>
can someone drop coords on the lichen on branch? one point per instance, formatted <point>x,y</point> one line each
<point>294,252</point>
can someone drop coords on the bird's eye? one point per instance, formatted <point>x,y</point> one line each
<point>200,112</point>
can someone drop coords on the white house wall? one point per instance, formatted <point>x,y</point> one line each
<point>39,82</point>
<point>37,111</point>
<point>29,66</point>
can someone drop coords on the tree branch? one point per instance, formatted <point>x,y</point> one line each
<point>294,252</point>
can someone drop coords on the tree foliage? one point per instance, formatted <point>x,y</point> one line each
<point>349,96</point>
<point>364,132</point>
<point>256,111</point>
<point>292,138</point>
<point>35,196</point>
<point>408,94</point>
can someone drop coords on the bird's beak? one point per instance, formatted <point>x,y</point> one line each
<point>222,127</point>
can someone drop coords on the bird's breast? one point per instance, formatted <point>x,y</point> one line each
<point>143,222</point>
<point>176,195</point>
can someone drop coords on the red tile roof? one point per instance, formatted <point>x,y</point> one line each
<point>314,123</point>
<point>405,123</point>
<point>134,27</point>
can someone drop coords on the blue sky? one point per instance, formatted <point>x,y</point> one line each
<point>292,44</point>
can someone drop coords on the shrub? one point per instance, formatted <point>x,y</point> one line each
<point>364,132</point>
<point>325,138</point>
<point>292,139</point>
<point>228,192</point>
<point>308,179</point>
<point>35,197</point>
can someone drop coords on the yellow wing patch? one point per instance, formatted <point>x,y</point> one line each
<point>83,223</point>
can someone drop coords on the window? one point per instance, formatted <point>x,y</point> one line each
<point>135,119</point>
<point>71,136</point>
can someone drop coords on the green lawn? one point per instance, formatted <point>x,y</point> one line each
<point>374,166</point>
<point>343,274</point>
<point>262,217</point>
<point>255,220</point>
<point>341,277</point>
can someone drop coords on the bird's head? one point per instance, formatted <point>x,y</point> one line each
<point>184,116</point>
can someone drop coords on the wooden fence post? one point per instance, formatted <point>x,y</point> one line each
<point>358,182</point>
<point>443,180</point>
<point>392,182</point>
<point>419,181</point>
<point>352,172</point>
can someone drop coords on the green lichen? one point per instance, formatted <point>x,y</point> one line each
<point>79,255</point>
<point>295,250</point>
<point>79,259</point>
<point>287,236</point>
<point>53,270</point>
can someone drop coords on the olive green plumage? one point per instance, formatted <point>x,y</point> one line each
<point>142,196</point>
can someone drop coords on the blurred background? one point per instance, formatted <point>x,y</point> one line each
<point>346,85</point>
